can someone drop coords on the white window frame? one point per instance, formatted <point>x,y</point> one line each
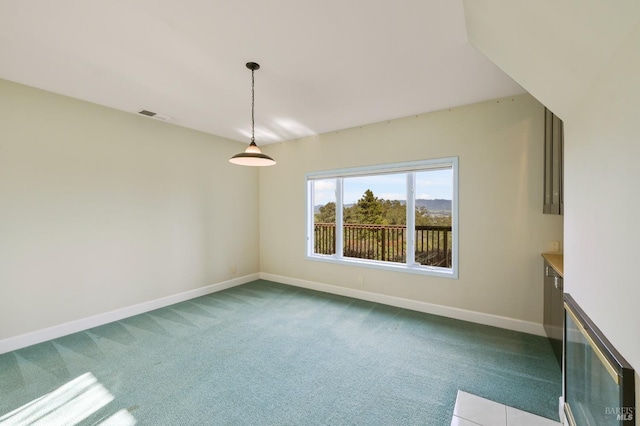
<point>407,167</point>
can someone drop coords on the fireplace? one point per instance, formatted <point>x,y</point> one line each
<point>599,385</point>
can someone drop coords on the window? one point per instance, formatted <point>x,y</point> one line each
<point>362,216</point>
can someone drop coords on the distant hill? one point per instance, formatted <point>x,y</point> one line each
<point>438,205</point>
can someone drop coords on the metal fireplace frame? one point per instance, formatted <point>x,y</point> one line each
<point>620,370</point>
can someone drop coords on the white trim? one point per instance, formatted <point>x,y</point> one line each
<point>455,209</point>
<point>408,166</point>
<point>339,237</point>
<point>39,336</point>
<point>434,271</point>
<point>410,219</point>
<point>310,202</point>
<point>415,305</point>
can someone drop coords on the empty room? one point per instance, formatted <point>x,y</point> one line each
<point>308,213</point>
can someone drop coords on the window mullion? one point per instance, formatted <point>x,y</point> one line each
<point>310,216</point>
<point>411,218</point>
<point>339,219</point>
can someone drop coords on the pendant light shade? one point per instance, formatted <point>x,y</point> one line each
<point>252,156</point>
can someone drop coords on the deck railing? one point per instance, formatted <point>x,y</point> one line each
<point>387,242</point>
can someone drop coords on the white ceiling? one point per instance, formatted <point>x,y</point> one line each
<point>326,65</point>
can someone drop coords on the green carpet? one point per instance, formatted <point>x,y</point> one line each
<point>269,354</point>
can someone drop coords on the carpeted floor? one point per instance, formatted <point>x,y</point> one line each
<point>269,354</point>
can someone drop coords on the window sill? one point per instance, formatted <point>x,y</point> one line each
<point>433,271</point>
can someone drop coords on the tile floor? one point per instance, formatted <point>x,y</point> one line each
<point>472,410</point>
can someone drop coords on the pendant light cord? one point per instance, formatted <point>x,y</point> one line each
<point>252,156</point>
<point>253,122</point>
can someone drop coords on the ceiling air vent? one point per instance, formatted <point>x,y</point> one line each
<point>154,115</point>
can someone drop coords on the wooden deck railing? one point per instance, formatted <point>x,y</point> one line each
<point>387,242</point>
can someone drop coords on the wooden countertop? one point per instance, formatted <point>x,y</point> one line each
<point>556,262</point>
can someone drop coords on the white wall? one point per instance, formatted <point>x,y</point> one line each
<point>602,202</point>
<point>582,59</point>
<point>502,228</point>
<point>554,49</point>
<point>101,209</point>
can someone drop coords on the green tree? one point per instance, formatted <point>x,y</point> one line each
<point>350,214</point>
<point>326,213</point>
<point>422,216</point>
<point>394,212</point>
<point>369,209</point>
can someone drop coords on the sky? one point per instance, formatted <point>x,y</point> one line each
<point>431,184</point>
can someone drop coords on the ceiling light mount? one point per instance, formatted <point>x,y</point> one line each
<point>252,156</point>
<point>253,66</point>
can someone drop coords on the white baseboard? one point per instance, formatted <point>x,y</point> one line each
<point>414,305</point>
<point>28,339</point>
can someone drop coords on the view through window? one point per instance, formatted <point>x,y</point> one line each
<point>398,216</point>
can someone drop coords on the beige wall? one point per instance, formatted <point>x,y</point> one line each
<point>101,209</point>
<point>502,230</point>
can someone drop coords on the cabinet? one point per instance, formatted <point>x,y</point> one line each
<point>553,164</point>
<point>553,309</point>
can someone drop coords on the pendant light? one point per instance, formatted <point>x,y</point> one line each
<point>252,156</point>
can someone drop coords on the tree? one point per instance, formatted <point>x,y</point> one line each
<point>422,216</point>
<point>326,214</point>
<point>369,209</point>
<point>394,212</point>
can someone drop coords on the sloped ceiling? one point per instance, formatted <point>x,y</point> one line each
<point>326,65</point>
<point>554,49</point>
